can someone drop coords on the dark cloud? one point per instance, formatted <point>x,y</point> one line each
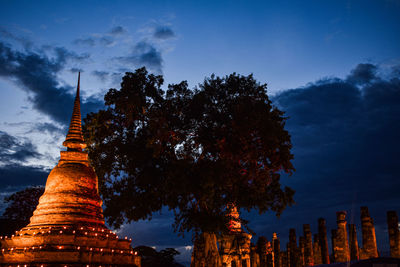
<point>75,70</point>
<point>85,41</point>
<point>117,30</point>
<point>345,142</point>
<point>102,75</point>
<point>37,73</point>
<point>15,150</point>
<point>15,177</point>
<point>362,74</point>
<point>144,54</point>
<point>163,33</point>
<point>395,71</point>
<point>106,41</point>
<point>25,42</point>
<point>45,127</point>
<point>63,55</point>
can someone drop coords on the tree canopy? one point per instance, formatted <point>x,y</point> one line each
<point>152,258</point>
<point>20,208</point>
<point>193,151</point>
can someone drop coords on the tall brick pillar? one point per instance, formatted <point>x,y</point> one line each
<point>354,251</point>
<point>293,248</point>
<point>317,250</point>
<point>394,234</point>
<point>254,257</point>
<point>277,249</point>
<point>288,255</point>
<point>308,246</point>
<point>283,260</point>
<point>300,261</point>
<point>323,240</point>
<point>262,249</point>
<point>341,248</point>
<point>334,245</point>
<point>369,249</point>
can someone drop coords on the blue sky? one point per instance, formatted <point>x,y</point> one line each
<point>309,53</point>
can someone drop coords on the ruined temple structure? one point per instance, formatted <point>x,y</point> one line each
<point>67,228</point>
<point>394,234</point>
<point>305,252</point>
<point>369,249</point>
<point>234,246</point>
<point>340,243</point>
<point>345,246</point>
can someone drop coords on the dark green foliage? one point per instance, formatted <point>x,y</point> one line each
<point>151,258</point>
<point>21,206</point>
<point>191,150</point>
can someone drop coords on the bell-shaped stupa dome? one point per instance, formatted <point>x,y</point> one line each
<point>67,226</point>
<point>71,195</point>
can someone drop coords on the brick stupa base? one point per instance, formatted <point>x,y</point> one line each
<point>67,228</point>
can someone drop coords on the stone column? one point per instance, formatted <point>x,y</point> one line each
<point>323,240</point>
<point>342,244</point>
<point>394,234</point>
<point>334,245</point>
<point>308,246</point>
<point>262,249</point>
<point>288,255</point>
<point>284,259</point>
<point>293,247</point>
<point>354,251</point>
<point>205,251</point>
<point>254,257</point>
<point>270,255</point>
<point>302,243</point>
<point>277,249</point>
<point>317,250</point>
<point>369,249</point>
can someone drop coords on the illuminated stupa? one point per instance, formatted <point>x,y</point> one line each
<point>67,228</point>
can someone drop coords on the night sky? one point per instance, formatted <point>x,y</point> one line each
<point>333,66</point>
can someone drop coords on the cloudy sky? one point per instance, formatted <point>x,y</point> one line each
<point>333,66</point>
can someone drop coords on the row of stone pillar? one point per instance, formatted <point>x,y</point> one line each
<point>314,250</point>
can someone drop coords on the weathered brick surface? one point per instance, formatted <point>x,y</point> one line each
<point>68,225</point>
<point>308,246</point>
<point>354,250</point>
<point>369,249</point>
<point>317,250</point>
<point>340,244</point>
<point>394,234</point>
<point>277,249</point>
<point>323,240</point>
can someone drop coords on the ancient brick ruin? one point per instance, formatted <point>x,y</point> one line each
<point>67,228</point>
<point>235,249</point>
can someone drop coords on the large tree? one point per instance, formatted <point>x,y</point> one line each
<point>193,151</point>
<point>20,208</point>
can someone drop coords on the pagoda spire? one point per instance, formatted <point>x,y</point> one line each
<point>74,140</point>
